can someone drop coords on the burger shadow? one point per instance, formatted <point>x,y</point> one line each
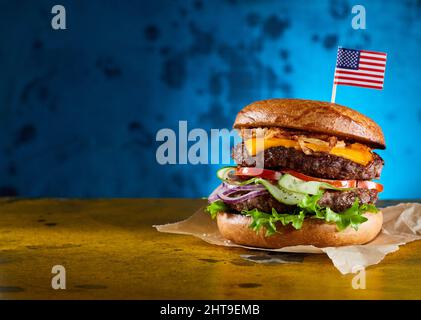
<point>274,257</point>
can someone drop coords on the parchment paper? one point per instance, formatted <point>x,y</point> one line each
<point>402,224</point>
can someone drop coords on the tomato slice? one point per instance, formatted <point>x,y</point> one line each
<point>258,172</point>
<point>276,175</point>
<point>365,184</point>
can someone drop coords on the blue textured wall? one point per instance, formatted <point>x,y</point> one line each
<point>80,108</point>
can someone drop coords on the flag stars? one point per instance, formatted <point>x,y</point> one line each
<point>348,58</point>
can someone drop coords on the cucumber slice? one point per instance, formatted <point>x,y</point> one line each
<point>294,184</point>
<point>281,194</point>
<point>222,173</point>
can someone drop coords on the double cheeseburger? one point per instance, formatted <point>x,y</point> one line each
<point>303,177</point>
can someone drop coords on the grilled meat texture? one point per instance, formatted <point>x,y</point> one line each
<point>322,165</point>
<point>263,203</point>
<point>338,201</point>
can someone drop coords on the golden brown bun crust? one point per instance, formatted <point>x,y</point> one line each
<point>313,116</point>
<point>235,227</point>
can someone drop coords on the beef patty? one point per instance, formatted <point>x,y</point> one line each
<point>322,165</point>
<point>338,201</point>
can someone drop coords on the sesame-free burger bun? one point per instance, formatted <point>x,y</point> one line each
<point>235,227</point>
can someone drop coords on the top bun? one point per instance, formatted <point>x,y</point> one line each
<point>313,116</point>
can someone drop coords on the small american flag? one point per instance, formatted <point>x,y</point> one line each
<point>360,68</point>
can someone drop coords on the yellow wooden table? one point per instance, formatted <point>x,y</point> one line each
<point>111,251</point>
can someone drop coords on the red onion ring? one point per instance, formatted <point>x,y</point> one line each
<point>214,195</point>
<point>224,196</point>
<point>226,189</point>
<point>250,187</point>
<point>221,188</point>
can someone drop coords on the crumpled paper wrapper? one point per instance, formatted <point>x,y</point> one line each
<point>402,224</point>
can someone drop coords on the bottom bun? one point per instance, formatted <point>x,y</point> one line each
<point>235,227</point>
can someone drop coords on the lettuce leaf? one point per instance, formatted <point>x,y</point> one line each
<point>215,207</point>
<point>268,221</point>
<point>350,217</point>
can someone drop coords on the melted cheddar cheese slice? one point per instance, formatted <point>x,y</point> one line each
<point>355,152</point>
